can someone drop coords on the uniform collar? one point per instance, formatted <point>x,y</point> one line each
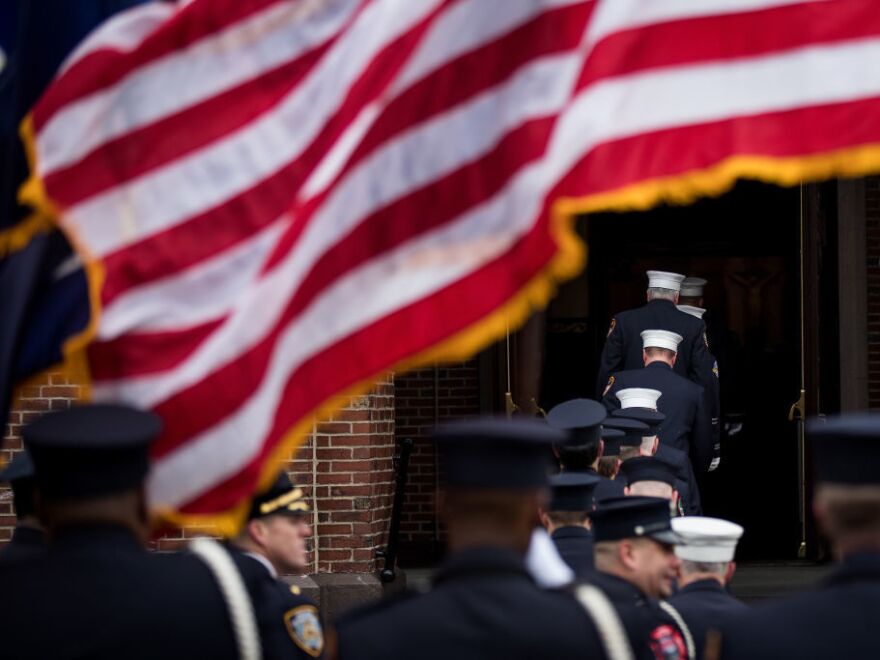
<point>618,589</point>
<point>708,584</point>
<point>856,567</point>
<point>480,562</point>
<point>658,364</point>
<point>572,532</point>
<point>264,562</point>
<point>96,536</point>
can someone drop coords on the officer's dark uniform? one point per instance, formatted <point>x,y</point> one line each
<point>638,422</point>
<point>704,605</point>
<point>688,423</point>
<point>573,492</point>
<point>580,420</point>
<point>99,593</point>
<point>838,619</point>
<point>635,517</point>
<point>482,603</point>
<point>623,347</point>
<point>28,540</point>
<point>289,624</point>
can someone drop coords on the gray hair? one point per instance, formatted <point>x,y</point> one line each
<point>655,293</point>
<point>717,567</point>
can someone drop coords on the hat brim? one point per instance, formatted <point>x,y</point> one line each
<point>666,536</point>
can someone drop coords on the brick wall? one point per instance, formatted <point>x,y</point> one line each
<point>345,468</point>
<point>424,398</point>
<point>872,231</point>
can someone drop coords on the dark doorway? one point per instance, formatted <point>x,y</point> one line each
<point>747,243</point>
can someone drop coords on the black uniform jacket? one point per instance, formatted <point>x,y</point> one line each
<point>652,632</point>
<point>688,423</point>
<point>26,543</point>
<point>575,546</point>
<point>483,604</point>
<point>288,621</point>
<point>98,594</point>
<point>838,620</point>
<point>704,605</point>
<point>686,481</point>
<point>623,347</point>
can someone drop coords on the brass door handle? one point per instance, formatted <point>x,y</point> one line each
<point>798,408</point>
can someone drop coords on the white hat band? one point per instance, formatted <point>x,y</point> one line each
<point>706,553</point>
<point>660,279</point>
<point>638,397</point>
<point>661,339</point>
<point>693,286</point>
<point>690,309</point>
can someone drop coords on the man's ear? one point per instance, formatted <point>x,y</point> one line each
<point>731,569</point>
<point>257,531</point>
<point>674,358</point>
<point>626,554</point>
<point>676,296</point>
<point>601,448</point>
<point>545,519</point>
<point>644,356</point>
<point>626,490</point>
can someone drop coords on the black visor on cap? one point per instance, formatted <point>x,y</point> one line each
<point>647,468</point>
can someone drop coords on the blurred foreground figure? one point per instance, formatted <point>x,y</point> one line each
<point>839,619</point>
<point>99,593</point>
<point>483,603</point>
<point>274,542</point>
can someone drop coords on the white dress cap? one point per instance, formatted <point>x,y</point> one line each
<point>659,279</point>
<point>706,540</point>
<point>638,397</point>
<point>690,309</point>
<point>692,287</point>
<point>661,339</point>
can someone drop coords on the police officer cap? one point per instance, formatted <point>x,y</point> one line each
<point>91,450</point>
<point>647,468</point>
<point>496,453</point>
<point>629,517</point>
<point>638,397</point>
<point>692,287</point>
<point>20,467</point>
<point>613,445</point>
<point>693,311</point>
<point>632,429</point>
<point>705,539</point>
<point>846,448</point>
<point>572,491</point>
<point>661,279</point>
<point>281,498</point>
<point>581,419</point>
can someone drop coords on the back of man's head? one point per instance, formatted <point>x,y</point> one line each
<point>659,293</point>
<point>578,458</point>
<point>651,489</point>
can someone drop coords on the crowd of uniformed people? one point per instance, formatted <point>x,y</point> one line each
<point>577,536</point>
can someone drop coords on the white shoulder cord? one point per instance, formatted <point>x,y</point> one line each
<point>241,610</point>
<point>606,621</point>
<point>688,638</point>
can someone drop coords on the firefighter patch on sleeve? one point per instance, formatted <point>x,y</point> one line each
<point>611,327</point>
<point>304,628</point>
<point>715,368</point>
<point>608,386</point>
<point>667,643</point>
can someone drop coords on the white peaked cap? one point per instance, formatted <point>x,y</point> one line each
<point>638,397</point>
<point>690,309</point>
<point>706,540</point>
<point>693,286</point>
<point>661,339</point>
<point>660,279</point>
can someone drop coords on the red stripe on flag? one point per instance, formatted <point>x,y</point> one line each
<point>368,352</point>
<point>104,68</point>
<point>672,152</point>
<point>423,210</point>
<point>729,36</point>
